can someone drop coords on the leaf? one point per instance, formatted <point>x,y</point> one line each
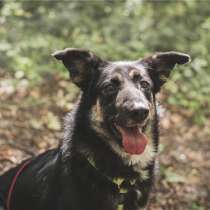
<point>36,124</point>
<point>195,206</point>
<point>173,177</point>
<point>53,122</point>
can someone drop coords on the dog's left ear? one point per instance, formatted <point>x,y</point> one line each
<point>80,63</point>
<point>160,65</point>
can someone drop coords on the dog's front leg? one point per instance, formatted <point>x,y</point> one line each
<point>132,199</point>
<point>69,197</point>
<point>65,204</point>
<point>137,198</point>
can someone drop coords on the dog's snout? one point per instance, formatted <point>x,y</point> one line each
<point>132,108</point>
<point>136,112</point>
<point>139,113</point>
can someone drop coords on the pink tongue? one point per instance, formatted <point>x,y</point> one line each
<point>134,141</point>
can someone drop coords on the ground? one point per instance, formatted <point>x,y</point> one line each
<point>31,121</point>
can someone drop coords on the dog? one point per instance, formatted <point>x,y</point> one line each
<point>108,156</point>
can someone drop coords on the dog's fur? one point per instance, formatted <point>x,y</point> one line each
<point>64,178</point>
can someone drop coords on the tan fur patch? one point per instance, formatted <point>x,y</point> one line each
<point>151,110</point>
<point>133,73</point>
<point>98,112</point>
<point>79,77</point>
<point>117,76</point>
<point>97,118</point>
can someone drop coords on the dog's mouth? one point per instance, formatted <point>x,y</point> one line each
<point>134,141</point>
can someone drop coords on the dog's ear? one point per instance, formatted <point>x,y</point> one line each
<point>80,63</point>
<point>160,65</point>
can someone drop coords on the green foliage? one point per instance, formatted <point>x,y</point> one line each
<point>30,31</point>
<point>195,206</point>
<point>172,177</point>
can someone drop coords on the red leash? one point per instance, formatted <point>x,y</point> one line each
<point>12,186</point>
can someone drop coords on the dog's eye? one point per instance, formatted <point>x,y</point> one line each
<point>144,84</point>
<point>108,89</point>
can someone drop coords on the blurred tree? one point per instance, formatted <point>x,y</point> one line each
<point>129,29</point>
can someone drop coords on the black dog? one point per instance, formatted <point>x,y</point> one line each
<point>107,158</point>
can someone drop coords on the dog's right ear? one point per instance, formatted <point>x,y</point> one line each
<point>161,64</point>
<point>80,63</point>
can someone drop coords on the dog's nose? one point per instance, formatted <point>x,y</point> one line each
<point>139,113</point>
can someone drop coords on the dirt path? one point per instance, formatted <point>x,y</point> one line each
<point>31,122</point>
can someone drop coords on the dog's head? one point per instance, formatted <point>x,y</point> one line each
<point>123,91</point>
